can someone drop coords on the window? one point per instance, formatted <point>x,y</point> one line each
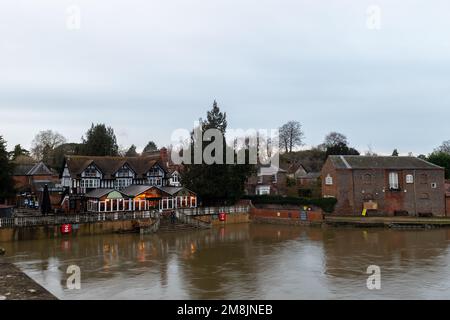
<point>175,178</point>
<point>260,179</point>
<point>90,171</point>
<point>122,183</point>
<point>329,180</point>
<point>434,185</point>
<point>274,178</point>
<point>393,181</point>
<point>124,172</point>
<point>90,183</point>
<point>409,179</point>
<point>263,190</point>
<point>155,181</point>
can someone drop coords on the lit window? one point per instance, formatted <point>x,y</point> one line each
<point>329,180</point>
<point>409,179</point>
<point>393,181</point>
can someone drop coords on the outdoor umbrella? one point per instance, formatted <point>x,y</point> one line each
<point>46,206</point>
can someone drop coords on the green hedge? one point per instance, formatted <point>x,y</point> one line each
<point>326,204</point>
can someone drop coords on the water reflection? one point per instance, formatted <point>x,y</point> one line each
<point>243,261</point>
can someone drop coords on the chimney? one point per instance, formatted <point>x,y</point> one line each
<point>164,156</point>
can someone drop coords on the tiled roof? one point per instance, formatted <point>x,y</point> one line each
<point>98,193</point>
<point>35,169</point>
<point>375,162</point>
<point>109,165</point>
<point>135,190</point>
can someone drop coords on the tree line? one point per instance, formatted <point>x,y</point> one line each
<point>50,147</point>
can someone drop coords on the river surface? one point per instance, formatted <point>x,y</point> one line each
<point>246,261</point>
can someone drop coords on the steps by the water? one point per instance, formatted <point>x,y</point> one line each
<point>166,225</point>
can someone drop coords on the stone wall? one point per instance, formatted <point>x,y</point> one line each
<point>51,232</point>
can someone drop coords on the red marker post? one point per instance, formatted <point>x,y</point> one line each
<point>66,228</point>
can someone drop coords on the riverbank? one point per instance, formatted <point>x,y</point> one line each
<point>16,285</point>
<point>387,222</point>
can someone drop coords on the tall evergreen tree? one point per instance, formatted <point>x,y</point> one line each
<point>132,152</point>
<point>216,183</point>
<point>6,171</point>
<point>100,141</point>
<point>150,147</point>
<point>18,151</point>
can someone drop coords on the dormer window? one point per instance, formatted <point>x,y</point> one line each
<point>90,172</point>
<point>124,172</point>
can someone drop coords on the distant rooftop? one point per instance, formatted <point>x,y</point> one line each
<point>378,162</point>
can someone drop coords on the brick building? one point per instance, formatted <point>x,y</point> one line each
<point>384,185</point>
<point>29,181</point>
<point>268,180</point>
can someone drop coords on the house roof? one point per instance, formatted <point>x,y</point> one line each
<point>109,165</point>
<point>269,170</point>
<point>135,190</point>
<point>98,193</point>
<point>377,162</point>
<point>32,169</point>
<point>310,175</point>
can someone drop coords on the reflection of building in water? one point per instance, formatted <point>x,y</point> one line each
<point>348,252</point>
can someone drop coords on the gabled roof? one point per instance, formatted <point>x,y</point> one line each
<point>40,169</point>
<point>269,170</point>
<point>378,162</point>
<point>110,165</point>
<point>135,190</point>
<point>98,193</point>
<point>32,169</point>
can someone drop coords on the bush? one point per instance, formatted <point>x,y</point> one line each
<point>326,204</point>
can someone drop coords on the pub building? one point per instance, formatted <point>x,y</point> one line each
<point>111,184</point>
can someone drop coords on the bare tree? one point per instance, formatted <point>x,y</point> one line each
<point>44,143</point>
<point>291,135</point>
<point>335,138</point>
<point>444,147</point>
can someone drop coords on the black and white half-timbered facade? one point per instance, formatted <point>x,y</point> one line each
<point>83,174</point>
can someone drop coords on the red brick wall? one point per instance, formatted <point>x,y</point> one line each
<point>315,215</point>
<point>448,206</point>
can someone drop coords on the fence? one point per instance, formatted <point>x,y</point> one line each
<point>214,210</point>
<point>26,221</point>
<point>75,219</point>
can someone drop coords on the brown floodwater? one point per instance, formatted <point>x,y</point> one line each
<point>247,261</point>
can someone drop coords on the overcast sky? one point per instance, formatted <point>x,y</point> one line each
<point>149,67</point>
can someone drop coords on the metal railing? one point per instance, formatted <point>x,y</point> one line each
<point>75,218</point>
<point>25,221</point>
<point>214,210</point>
